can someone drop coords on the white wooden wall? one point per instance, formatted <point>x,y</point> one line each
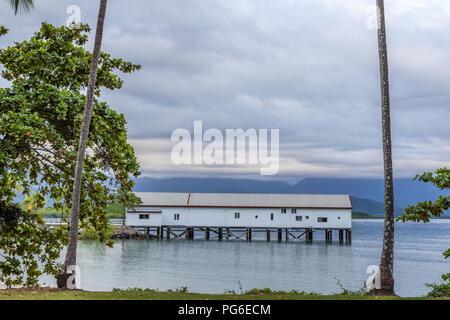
<point>249,217</point>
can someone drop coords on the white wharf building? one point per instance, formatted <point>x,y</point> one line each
<point>231,212</point>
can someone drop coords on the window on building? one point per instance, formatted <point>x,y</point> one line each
<point>339,218</point>
<point>271,216</point>
<point>144,216</point>
<point>307,217</point>
<point>298,218</point>
<point>256,217</point>
<point>283,210</point>
<point>322,219</point>
<point>294,210</point>
<point>237,215</point>
<point>176,216</point>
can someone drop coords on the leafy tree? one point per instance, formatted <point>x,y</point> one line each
<point>71,255</point>
<point>386,286</point>
<point>41,115</point>
<point>34,201</point>
<point>423,211</point>
<point>127,201</point>
<point>27,248</point>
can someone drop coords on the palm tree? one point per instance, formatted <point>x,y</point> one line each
<point>21,5</point>
<point>71,255</point>
<point>386,271</point>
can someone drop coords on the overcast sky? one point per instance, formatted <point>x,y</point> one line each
<point>308,68</point>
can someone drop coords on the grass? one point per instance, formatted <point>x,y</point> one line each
<point>180,294</point>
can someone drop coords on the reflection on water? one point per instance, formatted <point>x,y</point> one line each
<point>213,266</point>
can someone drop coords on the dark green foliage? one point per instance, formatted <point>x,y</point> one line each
<point>423,211</point>
<point>27,249</point>
<point>40,122</point>
<point>3,31</point>
<point>348,292</point>
<point>439,290</point>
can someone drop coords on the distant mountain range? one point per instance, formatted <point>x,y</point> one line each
<point>366,194</point>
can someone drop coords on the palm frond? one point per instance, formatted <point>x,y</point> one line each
<point>21,6</point>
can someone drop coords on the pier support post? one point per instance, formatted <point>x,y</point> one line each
<point>220,234</point>
<point>348,235</point>
<point>158,232</point>
<point>191,233</point>
<point>207,233</point>
<point>329,234</point>
<point>287,234</point>
<point>168,233</point>
<point>280,235</point>
<point>341,236</point>
<point>227,233</point>
<point>309,235</point>
<point>249,234</point>
<point>268,234</point>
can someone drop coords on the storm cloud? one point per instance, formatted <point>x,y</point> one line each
<point>308,68</point>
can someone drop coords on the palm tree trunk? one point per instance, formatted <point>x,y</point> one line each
<point>71,255</point>
<point>386,286</point>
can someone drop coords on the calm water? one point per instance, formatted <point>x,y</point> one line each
<point>213,266</point>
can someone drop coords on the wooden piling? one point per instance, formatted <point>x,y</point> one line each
<point>280,235</point>
<point>249,234</point>
<point>341,236</point>
<point>158,232</point>
<point>191,233</point>
<point>309,235</point>
<point>168,233</point>
<point>220,234</point>
<point>227,233</point>
<point>348,235</point>
<point>287,234</point>
<point>268,234</point>
<point>207,233</point>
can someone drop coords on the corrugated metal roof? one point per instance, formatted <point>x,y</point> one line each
<point>242,200</point>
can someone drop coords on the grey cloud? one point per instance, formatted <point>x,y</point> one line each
<point>309,68</point>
